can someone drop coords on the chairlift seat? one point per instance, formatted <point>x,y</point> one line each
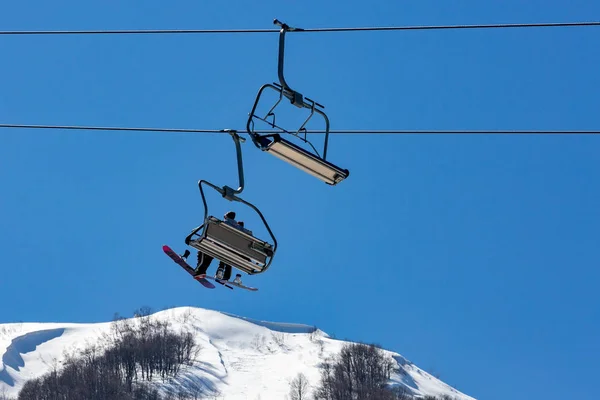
<point>304,160</point>
<point>233,246</point>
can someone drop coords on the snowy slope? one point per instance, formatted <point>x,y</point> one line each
<point>240,358</point>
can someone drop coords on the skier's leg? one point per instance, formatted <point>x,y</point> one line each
<point>220,270</point>
<point>227,274</point>
<point>204,261</point>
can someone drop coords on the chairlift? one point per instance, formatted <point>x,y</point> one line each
<point>234,246</point>
<point>275,144</point>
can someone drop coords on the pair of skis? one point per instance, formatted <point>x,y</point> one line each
<point>203,279</point>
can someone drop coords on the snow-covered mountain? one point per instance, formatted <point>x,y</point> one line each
<point>240,358</point>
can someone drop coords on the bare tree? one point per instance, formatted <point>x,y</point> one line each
<point>278,338</point>
<point>4,395</point>
<point>137,351</point>
<point>359,372</point>
<point>299,387</point>
<point>402,393</point>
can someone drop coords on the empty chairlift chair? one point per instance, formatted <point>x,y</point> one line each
<point>275,144</point>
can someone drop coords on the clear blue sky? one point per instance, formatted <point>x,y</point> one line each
<point>476,257</point>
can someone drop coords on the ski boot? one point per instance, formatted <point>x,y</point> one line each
<point>220,272</point>
<point>185,255</point>
<point>238,279</point>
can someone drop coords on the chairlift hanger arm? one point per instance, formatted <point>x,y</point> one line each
<point>314,164</point>
<point>284,89</point>
<point>226,191</point>
<point>282,31</point>
<point>295,97</point>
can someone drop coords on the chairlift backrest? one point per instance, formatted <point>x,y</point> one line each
<point>232,245</point>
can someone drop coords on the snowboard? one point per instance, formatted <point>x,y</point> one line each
<point>227,283</point>
<point>175,257</point>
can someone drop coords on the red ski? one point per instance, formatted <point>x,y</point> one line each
<point>177,258</point>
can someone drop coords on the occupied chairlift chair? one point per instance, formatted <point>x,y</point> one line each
<point>235,247</point>
<point>276,145</point>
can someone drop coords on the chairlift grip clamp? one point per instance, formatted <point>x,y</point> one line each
<point>286,26</point>
<point>229,193</point>
<point>234,134</point>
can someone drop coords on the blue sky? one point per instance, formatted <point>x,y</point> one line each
<point>473,256</point>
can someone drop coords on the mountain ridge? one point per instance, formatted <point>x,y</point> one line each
<point>240,357</point>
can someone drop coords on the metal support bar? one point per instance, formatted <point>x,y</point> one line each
<point>261,141</point>
<point>252,114</point>
<point>295,97</point>
<point>227,191</point>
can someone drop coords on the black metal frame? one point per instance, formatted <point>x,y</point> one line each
<point>295,98</point>
<point>231,195</point>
